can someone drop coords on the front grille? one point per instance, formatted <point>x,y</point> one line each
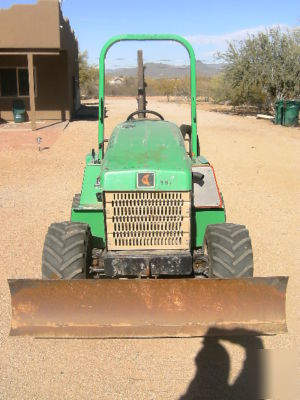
<point>147,220</point>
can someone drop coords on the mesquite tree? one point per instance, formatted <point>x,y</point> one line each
<point>88,76</point>
<point>264,67</point>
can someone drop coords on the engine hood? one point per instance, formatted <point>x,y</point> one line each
<point>143,147</point>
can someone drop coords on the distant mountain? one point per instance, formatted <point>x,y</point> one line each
<point>160,70</point>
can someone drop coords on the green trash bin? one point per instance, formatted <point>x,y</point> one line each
<point>287,112</point>
<point>291,113</point>
<point>19,111</point>
<point>278,112</point>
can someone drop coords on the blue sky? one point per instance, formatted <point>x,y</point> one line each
<point>207,24</point>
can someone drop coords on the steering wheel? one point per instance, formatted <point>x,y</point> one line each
<point>130,116</point>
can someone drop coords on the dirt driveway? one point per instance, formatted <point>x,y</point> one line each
<point>257,165</point>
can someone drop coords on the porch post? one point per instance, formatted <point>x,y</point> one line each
<point>31,90</point>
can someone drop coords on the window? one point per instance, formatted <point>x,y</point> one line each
<point>8,82</point>
<point>23,80</point>
<point>14,82</point>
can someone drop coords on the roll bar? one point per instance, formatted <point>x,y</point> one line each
<point>144,37</point>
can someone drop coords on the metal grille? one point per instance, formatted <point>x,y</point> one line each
<point>147,220</point>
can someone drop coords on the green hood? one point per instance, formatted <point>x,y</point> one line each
<point>146,146</point>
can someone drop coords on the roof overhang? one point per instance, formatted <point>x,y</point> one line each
<point>18,52</point>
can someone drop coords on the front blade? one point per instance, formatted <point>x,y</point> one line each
<point>146,308</point>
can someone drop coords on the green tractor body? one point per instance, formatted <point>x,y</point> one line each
<point>149,211</point>
<point>137,148</point>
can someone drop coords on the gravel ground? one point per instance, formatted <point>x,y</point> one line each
<point>257,165</point>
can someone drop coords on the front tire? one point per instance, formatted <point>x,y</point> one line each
<point>229,251</point>
<point>67,251</point>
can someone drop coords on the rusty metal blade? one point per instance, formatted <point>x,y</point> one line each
<point>146,308</point>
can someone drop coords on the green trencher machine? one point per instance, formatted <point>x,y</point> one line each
<point>148,251</point>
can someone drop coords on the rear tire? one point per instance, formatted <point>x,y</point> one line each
<point>67,251</point>
<point>186,131</point>
<point>229,251</point>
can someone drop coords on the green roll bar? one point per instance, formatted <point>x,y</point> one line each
<point>143,37</point>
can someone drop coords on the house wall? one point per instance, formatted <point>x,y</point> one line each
<point>42,28</point>
<point>69,43</point>
<point>30,25</point>
<point>52,88</point>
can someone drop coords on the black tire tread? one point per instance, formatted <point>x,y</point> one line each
<point>229,251</point>
<point>66,252</point>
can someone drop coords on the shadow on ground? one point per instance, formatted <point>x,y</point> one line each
<point>213,368</point>
<point>87,112</point>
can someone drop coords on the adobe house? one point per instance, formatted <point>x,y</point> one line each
<point>38,62</point>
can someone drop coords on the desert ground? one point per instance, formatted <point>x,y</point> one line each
<point>258,169</point>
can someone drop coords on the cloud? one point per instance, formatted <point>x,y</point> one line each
<point>223,38</point>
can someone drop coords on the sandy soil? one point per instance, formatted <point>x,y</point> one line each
<point>19,136</point>
<point>257,165</point>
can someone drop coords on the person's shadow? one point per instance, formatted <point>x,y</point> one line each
<point>213,367</point>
